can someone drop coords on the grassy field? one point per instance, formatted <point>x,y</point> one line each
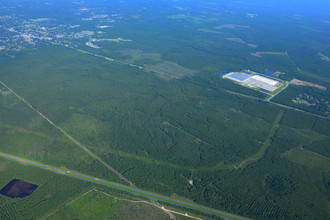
<point>99,205</point>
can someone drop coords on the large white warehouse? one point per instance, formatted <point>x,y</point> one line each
<point>265,80</point>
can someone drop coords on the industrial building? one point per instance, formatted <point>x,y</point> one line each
<point>254,81</point>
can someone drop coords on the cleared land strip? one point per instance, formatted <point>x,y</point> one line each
<point>127,189</point>
<point>93,54</point>
<point>298,110</point>
<point>69,136</point>
<point>107,58</point>
<point>258,53</point>
<point>100,56</point>
<point>189,134</point>
<point>294,63</point>
<point>149,160</point>
<point>264,147</point>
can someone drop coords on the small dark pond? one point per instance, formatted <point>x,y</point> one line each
<point>18,188</point>
<point>221,74</point>
<point>269,72</point>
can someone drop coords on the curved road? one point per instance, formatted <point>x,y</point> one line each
<point>121,187</point>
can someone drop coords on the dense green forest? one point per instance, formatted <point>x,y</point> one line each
<point>145,99</point>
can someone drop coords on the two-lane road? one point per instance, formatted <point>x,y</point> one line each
<point>124,188</point>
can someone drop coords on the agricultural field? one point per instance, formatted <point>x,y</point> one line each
<point>100,205</point>
<point>146,108</point>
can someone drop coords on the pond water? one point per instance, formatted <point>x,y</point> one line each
<point>18,188</point>
<point>269,72</point>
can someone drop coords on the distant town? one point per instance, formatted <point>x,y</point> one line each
<point>19,33</point>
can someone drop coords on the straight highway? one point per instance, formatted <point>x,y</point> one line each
<point>128,189</point>
<point>69,136</point>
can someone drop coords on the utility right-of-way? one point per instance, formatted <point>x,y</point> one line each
<point>69,136</point>
<point>127,189</point>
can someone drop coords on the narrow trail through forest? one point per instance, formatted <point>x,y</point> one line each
<point>266,144</point>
